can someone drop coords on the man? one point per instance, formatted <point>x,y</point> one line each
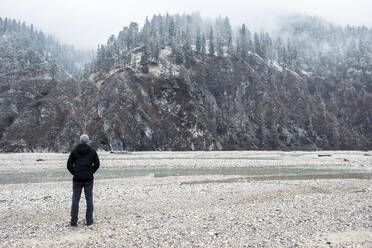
<point>82,164</point>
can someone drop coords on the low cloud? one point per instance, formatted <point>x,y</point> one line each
<point>87,23</point>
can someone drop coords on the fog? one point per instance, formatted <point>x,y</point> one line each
<point>87,23</point>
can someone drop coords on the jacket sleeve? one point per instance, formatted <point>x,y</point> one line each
<point>70,163</point>
<point>95,163</point>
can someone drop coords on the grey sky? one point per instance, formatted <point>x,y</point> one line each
<point>87,23</point>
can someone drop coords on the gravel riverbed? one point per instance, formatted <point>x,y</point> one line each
<point>191,209</point>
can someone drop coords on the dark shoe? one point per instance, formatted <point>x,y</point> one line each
<point>90,223</point>
<point>73,224</point>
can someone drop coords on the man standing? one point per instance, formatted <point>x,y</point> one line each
<point>82,164</point>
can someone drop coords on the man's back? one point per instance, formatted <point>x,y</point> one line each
<point>83,163</point>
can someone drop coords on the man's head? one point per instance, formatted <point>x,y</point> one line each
<point>84,139</point>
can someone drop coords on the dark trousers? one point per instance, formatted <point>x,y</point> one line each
<point>76,193</point>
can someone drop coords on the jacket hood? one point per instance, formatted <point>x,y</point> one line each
<point>83,149</point>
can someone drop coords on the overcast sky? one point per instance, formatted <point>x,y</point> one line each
<point>87,23</point>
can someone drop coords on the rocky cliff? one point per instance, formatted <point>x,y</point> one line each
<point>218,103</point>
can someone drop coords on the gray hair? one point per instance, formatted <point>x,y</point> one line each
<point>84,139</point>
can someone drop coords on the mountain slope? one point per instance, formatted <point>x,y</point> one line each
<point>36,90</point>
<point>224,104</point>
<point>164,88</point>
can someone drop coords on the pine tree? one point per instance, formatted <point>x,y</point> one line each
<point>155,49</point>
<point>198,41</point>
<point>146,30</point>
<point>219,45</point>
<point>154,27</point>
<point>269,46</point>
<point>230,48</point>
<point>145,60</point>
<point>187,51</point>
<point>227,31</point>
<point>281,53</point>
<point>228,37</point>
<point>132,39</point>
<point>101,58</point>
<point>172,28</point>
<point>211,43</point>
<point>257,45</point>
<point>203,50</point>
<point>176,51</point>
<point>242,48</point>
<point>161,27</point>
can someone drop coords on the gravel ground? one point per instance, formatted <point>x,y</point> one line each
<point>190,211</point>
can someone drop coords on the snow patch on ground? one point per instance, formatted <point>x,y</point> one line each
<point>306,73</point>
<point>165,67</point>
<point>148,132</point>
<point>294,73</point>
<point>46,76</point>
<point>92,76</point>
<point>256,56</point>
<point>274,64</point>
<point>196,132</point>
<point>135,60</point>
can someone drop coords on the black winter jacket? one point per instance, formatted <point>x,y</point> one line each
<point>83,163</point>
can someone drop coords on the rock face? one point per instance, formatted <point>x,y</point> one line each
<point>217,104</point>
<point>37,115</point>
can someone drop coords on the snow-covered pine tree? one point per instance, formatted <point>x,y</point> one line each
<point>211,50</point>
<point>198,41</point>
<point>145,60</point>
<point>242,48</point>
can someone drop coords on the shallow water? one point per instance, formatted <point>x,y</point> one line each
<point>247,173</point>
